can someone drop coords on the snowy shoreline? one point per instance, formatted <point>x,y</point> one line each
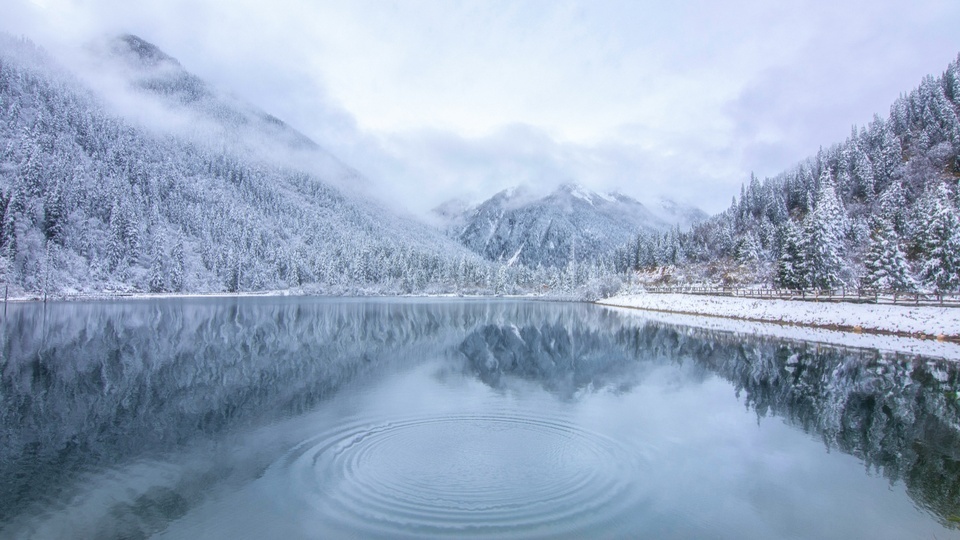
<point>927,330</point>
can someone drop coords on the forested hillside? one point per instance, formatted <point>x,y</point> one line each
<point>878,210</point>
<point>93,202</point>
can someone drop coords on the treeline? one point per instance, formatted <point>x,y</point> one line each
<point>878,210</point>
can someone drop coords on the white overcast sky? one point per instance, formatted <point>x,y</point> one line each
<point>435,99</point>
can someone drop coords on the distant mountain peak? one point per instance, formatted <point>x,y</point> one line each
<point>516,225</point>
<point>151,73</point>
<point>588,196</point>
<point>147,53</point>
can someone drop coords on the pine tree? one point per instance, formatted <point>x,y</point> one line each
<point>887,153</point>
<point>5,215</point>
<point>54,215</point>
<point>790,269</point>
<point>116,246</point>
<point>158,281</point>
<point>885,264</point>
<point>177,264</point>
<point>823,237</point>
<point>940,242</point>
<point>747,250</point>
<point>893,204</point>
<point>863,174</point>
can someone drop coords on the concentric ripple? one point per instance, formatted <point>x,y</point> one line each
<point>481,475</point>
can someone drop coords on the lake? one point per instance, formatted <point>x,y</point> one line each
<point>248,418</point>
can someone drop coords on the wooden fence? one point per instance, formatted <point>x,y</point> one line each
<point>863,296</point>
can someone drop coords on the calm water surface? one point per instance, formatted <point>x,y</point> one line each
<point>310,418</point>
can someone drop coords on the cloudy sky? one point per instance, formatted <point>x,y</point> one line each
<point>435,99</point>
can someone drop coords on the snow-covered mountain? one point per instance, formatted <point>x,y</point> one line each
<point>516,226</point>
<point>147,86</point>
<point>147,68</point>
<point>93,199</point>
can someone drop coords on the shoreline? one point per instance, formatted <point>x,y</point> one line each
<point>924,330</point>
<point>854,329</point>
<point>919,322</point>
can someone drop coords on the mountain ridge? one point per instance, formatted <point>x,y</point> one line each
<point>91,201</point>
<point>146,84</point>
<point>571,222</point>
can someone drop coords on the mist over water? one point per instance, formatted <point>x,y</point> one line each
<point>314,418</point>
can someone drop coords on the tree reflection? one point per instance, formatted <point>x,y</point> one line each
<point>900,414</point>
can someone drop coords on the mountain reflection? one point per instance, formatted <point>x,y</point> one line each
<point>92,384</point>
<point>563,359</point>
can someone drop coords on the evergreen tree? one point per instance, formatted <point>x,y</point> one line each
<point>116,246</point>
<point>55,214</point>
<point>893,204</point>
<point>747,250</point>
<point>863,174</point>
<point>177,264</point>
<point>885,264</point>
<point>158,281</point>
<point>887,154</point>
<point>5,215</point>
<point>823,237</point>
<point>790,269</point>
<point>940,242</point>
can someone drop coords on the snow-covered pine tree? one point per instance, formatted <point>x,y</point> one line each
<point>940,242</point>
<point>747,250</point>
<point>158,278</point>
<point>823,235</point>
<point>893,206</point>
<point>5,215</point>
<point>886,154</point>
<point>116,248</point>
<point>177,264</point>
<point>885,264</point>
<point>790,268</point>
<point>863,176</point>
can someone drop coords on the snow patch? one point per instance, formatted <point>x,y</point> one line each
<point>609,197</point>
<point>582,194</point>
<point>513,260</point>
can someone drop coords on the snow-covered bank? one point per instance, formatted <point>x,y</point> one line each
<point>886,327</point>
<point>888,319</point>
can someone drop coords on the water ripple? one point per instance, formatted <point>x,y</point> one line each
<point>476,474</point>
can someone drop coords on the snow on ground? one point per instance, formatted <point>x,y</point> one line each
<point>800,320</point>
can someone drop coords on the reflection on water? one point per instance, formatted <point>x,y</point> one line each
<point>235,418</point>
